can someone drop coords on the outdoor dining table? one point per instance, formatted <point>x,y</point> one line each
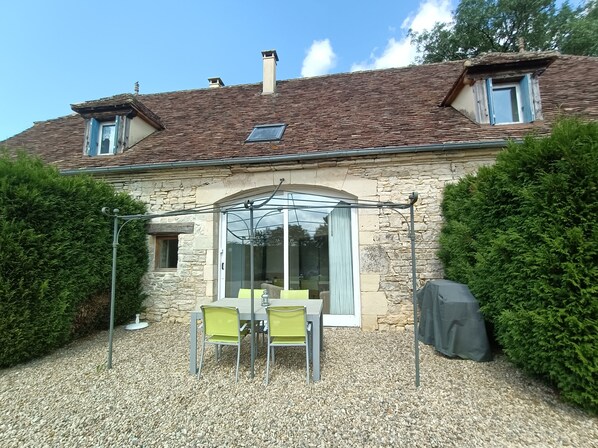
<point>314,316</point>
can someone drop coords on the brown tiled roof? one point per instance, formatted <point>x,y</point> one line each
<point>525,59</point>
<point>328,114</point>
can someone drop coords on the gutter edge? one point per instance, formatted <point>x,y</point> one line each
<point>292,158</point>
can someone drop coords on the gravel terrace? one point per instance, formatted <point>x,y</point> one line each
<point>366,398</point>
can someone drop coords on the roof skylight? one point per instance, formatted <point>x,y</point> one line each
<point>266,133</point>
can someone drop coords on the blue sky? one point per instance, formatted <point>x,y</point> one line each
<point>55,53</point>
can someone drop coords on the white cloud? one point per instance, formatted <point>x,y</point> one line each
<point>429,13</point>
<point>396,54</point>
<point>320,59</point>
<point>399,53</point>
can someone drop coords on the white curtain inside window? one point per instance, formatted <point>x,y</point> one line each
<point>341,265</point>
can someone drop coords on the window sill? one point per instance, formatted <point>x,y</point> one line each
<point>509,123</point>
<point>520,123</point>
<point>164,270</point>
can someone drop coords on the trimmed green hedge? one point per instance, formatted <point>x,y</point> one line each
<point>56,258</point>
<point>523,234</point>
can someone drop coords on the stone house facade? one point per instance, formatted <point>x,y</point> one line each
<point>369,137</point>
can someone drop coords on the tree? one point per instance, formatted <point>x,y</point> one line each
<point>522,235</point>
<point>583,38</point>
<point>56,258</point>
<point>505,25</point>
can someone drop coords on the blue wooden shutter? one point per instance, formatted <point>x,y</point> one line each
<point>117,134</point>
<point>491,115</point>
<point>527,105</point>
<point>92,144</point>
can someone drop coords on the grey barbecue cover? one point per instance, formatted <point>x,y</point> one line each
<point>450,319</point>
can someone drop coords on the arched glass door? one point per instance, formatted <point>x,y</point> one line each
<point>302,241</point>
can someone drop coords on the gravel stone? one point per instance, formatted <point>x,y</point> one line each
<point>366,398</point>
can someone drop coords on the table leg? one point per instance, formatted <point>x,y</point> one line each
<point>315,351</point>
<point>321,332</point>
<point>193,343</point>
<point>255,337</point>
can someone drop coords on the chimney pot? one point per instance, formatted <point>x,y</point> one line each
<point>215,82</point>
<point>270,58</point>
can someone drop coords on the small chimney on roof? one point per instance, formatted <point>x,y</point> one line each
<point>215,82</point>
<point>521,45</point>
<point>270,59</point>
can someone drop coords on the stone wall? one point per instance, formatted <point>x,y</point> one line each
<point>384,245</point>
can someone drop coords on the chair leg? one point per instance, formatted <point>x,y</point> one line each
<point>257,340</point>
<point>268,363</point>
<point>238,359</point>
<point>307,360</point>
<point>310,343</point>
<point>203,348</point>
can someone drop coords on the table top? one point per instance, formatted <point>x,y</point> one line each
<point>314,306</point>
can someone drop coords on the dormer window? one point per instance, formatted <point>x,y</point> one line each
<point>509,101</point>
<point>107,142</point>
<point>500,88</point>
<point>113,125</point>
<point>103,136</point>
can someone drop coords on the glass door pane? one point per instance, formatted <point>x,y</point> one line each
<point>308,244</point>
<point>237,253</point>
<point>268,249</point>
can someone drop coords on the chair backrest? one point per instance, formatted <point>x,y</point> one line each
<point>294,294</point>
<point>289,321</point>
<point>220,320</point>
<point>245,293</point>
<point>325,297</point>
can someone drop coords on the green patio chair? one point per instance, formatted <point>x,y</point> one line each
<point>301,294</point>
<point>221,326</point>
<point>287,327</point>
<point>245,293</point>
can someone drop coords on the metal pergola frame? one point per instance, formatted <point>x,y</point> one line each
<point>119,221</point>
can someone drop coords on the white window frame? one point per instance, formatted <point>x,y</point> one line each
<point>504,85</point>
<point>112,147</point>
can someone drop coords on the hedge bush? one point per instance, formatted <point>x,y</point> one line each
<point>56,258</point>
<point>523,234</point>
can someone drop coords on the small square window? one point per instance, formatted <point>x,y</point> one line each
<point>266,133</point>
<point>107,137</point>
<point>506,103</point>
<point>167,252</point>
